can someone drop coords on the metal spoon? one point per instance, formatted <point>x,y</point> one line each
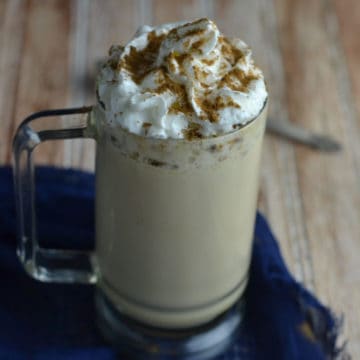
<point>298,134</point>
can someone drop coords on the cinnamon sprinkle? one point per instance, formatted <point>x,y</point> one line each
<point>192,131</point>
<point>179,58</point>
<point>211,108</point>
<point>182,103</point>
<point>174,33</point>
<point>230,52</point>
<point>237,80</point>
<point>140,63</point>
<point>187,43</point>
<point>197,45</point>
<point>208,61</point>
<point>200,74</point>
<point>193,32</point>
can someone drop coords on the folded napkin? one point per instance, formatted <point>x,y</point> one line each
<point>56,322</point>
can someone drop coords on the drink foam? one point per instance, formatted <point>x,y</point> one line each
<point>181,80</point>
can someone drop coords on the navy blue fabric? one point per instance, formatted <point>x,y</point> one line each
<point>51,321</point>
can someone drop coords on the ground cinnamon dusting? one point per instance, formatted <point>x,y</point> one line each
<point>230,52</point>
<point>140,63</point>
<point>211,108</point>
<point>175,33</point>
<point>198,21</point>
<point>179,58</point>
<point>192,131</point>
<point>197,45</point>
<point>194,32</point>
<point>187,43</point>
<point>182,103</point>
<point>178,106</point>
<point>204,85</point>
<point>200,74</point>
<point>208,61</point>
<point>237,80</point>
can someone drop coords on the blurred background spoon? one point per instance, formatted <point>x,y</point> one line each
<point>301,135</point>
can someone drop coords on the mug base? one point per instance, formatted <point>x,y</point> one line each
<point>142,341</point>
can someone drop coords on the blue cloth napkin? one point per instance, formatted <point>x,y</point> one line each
<point>51,321</point>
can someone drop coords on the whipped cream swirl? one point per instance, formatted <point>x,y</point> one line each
<point>181,80</point>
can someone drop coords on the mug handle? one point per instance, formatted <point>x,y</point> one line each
<point>49,265</point>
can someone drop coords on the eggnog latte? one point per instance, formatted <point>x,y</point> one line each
<point>180,121</point>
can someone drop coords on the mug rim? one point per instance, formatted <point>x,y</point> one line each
<point>195,140</point>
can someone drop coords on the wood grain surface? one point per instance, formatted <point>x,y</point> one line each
<point>310,54</point>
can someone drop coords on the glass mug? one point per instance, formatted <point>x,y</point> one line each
<point>174,227</point>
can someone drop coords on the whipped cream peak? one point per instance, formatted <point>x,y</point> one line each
<point>198,37</point>
<point>181,80</point>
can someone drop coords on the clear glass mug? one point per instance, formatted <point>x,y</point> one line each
<point>174,219</point>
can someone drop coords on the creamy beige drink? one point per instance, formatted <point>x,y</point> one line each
<point>180,121</point>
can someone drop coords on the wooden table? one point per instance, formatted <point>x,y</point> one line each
<point>310,53</point>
